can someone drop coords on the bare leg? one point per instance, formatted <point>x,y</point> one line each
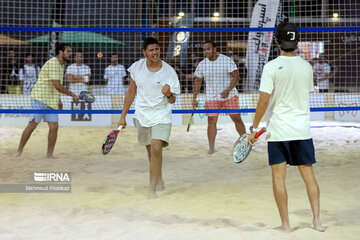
<point>313,192</point>
<point>155,166</point>
<point>211,132</point>
<point>160,185</point>
<point>239,125</point>
<point>53,129</point>
<point>148,149</point>
<point>25,137</point>
<point>280,194</point>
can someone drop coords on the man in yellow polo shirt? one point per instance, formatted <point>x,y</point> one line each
<point>46,95</point>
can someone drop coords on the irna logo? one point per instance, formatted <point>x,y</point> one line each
<point>52,177</point>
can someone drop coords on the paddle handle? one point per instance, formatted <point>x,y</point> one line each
<point>258,134</point>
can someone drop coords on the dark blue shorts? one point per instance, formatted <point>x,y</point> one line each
<point>297,152</point>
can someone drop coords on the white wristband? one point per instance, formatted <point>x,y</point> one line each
<point>86,79</point>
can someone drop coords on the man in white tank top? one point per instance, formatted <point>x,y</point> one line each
<point>284,95</point>
<point>154,83</point>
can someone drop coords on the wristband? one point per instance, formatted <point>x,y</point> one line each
<point>253,130</point>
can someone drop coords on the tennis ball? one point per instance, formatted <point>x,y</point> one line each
<point>99,55</point>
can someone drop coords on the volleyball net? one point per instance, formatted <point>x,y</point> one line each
<point>106,38</point>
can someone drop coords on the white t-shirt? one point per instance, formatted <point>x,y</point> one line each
<point>114,75</point>
<point>82,70</point>
<point>320,69</point>
<point>29,74</point>
<point>151,106</point>
<point>217,76</point>
<point>289,81</point>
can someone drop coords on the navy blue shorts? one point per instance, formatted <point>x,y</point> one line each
<point>297,152</point>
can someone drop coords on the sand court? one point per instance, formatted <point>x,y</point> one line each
<point>206,196</point>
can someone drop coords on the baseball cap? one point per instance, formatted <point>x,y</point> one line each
<point>287,34</point>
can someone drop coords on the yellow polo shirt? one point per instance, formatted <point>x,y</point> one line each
<point>44,89</point>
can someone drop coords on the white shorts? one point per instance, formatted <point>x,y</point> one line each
<point>160,131</point>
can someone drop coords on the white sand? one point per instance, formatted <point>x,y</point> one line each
<point>206,196</point>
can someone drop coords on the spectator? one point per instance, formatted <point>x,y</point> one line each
<point>322,73</point>
<point>114,76</point>
<point>11,69</point>
<point>78,74</point>
<point>28,75</point>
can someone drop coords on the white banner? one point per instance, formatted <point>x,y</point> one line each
<point>259,43</point>
<point>347,101</point>
<point>319,101</point>
<point>102,102</point>
<point>14,119</point>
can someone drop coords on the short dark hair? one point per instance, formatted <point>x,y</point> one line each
<point>60,47</point>
<point>112,54</point>
<point>29,54</point>
<point>148,41</point>
<point>211,42</point>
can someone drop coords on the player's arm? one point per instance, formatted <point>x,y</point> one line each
<point>70,78</point>
<point>58,86</point>
<point>234,80</point>
<point>129,98</point>
<point>260,111</point>
<point>196,88</point>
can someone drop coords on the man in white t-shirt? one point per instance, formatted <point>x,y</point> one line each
<point>221,76</point>
<point>284,95</point>
<point>154,83</point>
<point>322,73</point>
<point>114,76</point>
<point>78,74</point>
<point>28,75</point>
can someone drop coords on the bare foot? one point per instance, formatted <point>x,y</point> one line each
<point>318,226</point>
<point>17,155</point>
<point>211,151</point>
<point>152,194</point>
<point>160,186</point>
<point>51,156</point>
<point>284,229</point>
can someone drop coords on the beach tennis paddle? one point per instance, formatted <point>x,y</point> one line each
<point>87,96</point>
<point>242,148</point>
<point>190,121</point>
<point>110,141</point>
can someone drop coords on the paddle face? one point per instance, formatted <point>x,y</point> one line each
<point>242,149</point>
<point>110,140</point>
<point>87,96</point>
